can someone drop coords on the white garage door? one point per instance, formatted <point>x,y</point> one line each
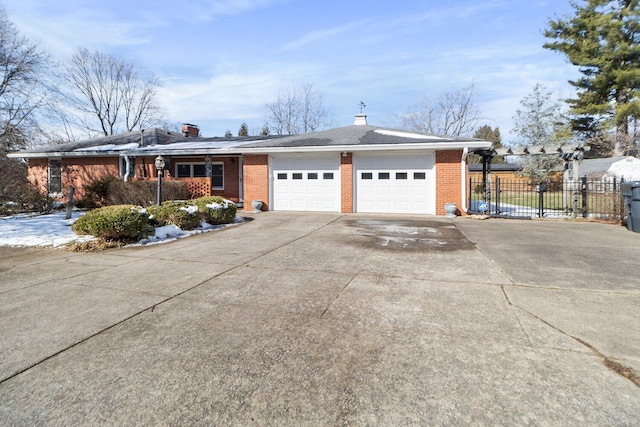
<point>395,183</point>
<point>309,183</point>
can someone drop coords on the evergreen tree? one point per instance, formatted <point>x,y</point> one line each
<point>540,120</point>
<point>228,134</point>
<point>244,130</point>
<point>603,40</point>
<point>487,133</point>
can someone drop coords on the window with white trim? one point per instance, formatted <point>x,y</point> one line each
<point>55,175</point>
<point>132,167</point>
<point>199,170</point>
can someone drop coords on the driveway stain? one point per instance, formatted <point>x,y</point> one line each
<point>409,235</point>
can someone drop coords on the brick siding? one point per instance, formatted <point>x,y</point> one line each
<point>256,180</point>
<point>448,184</point>
<point>346,185</point>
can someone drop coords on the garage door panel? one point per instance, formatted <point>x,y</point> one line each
<point>393,183</point>
<point>311,183</point>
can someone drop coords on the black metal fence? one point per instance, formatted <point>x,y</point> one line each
<point>553,199</point>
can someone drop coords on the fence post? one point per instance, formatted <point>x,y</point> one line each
<point>541,189</point>
<point>498,195</point>
<point>584,196</point>
<point>471,191</point>
<point>72,190</point>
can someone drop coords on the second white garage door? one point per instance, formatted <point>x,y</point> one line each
<point>392,183</point>
<point>309,183</point>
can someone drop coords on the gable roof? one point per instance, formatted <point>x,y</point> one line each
<point>355,135</point>
<point>155,141</point>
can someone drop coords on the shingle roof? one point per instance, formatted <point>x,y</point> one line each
<point>152,136</point>
<point>355,135</point>
<point>159,141</point>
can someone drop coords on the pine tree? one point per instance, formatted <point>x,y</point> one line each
<point>244,130</point>
<point>487,133</point>
<point>540,121</point>
<point>603,40</point>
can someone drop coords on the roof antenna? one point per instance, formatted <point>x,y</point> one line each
<point>362,106</point>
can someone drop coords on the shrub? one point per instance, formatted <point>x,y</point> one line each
<point>16,193</point>
<point>122,222</point>
<point>143,193</point>
<point>216,210</point>
<point>184,215</point>
<point>96,193</point>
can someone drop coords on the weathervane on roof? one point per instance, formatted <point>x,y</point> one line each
<point>362,106</point>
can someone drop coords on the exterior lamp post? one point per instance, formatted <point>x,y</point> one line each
<point>160,163</point>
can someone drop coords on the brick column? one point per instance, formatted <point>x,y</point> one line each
<point>256,180</point>
<point>448,180</point>
<point>346,185</point>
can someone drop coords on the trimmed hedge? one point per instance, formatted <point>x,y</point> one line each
<point>111,190</point>
<point>184,215</point>
<point>121,222</point>
<point>144,192</point>
<point>216,210</point>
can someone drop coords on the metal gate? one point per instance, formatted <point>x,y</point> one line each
<point>518,198</point>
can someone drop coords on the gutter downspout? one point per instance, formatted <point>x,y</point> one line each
<point>463,173</point>
<point>127,166</point>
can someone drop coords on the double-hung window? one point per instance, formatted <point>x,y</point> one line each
<point>55,176</point>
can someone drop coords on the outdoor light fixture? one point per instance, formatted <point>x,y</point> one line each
<point>160,164</point>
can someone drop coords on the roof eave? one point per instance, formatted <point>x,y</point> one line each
<point>58,154</point>
<point>166,150</point>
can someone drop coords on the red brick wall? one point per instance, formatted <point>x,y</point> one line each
<point>38,174</point>
<point>76,172</point>
<point>448,180</point>
<point>256,180</point>
<point>346,174</point>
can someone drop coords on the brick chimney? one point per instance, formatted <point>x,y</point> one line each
<point>190,131</point>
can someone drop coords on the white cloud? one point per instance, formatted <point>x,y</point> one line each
<point>321,35</point>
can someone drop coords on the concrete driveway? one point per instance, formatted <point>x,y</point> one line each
<point>320,319</point>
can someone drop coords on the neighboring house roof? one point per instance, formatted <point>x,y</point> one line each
<point>155,141</point>
<point>626,167</point>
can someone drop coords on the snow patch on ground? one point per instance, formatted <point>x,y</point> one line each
<point>39,230</point>
<point>53,230</point>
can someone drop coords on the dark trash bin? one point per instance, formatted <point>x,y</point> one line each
<point>631,193</point>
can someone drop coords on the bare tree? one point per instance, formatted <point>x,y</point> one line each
<point>111,94</point>
<point>296,110</point>
<point>314,115</point>
<point>23,92</point>
<point>449,113</point>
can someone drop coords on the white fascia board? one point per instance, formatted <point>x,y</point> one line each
<point>63,154</point>
<point>182,152</point>
<point>378,147</point>
<point>237,150</point>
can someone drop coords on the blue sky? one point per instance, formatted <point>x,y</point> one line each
<point>221,61</point>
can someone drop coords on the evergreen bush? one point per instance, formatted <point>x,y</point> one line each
<point>216,210</point>
<point>183,215</point>
<point>127,223</point>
